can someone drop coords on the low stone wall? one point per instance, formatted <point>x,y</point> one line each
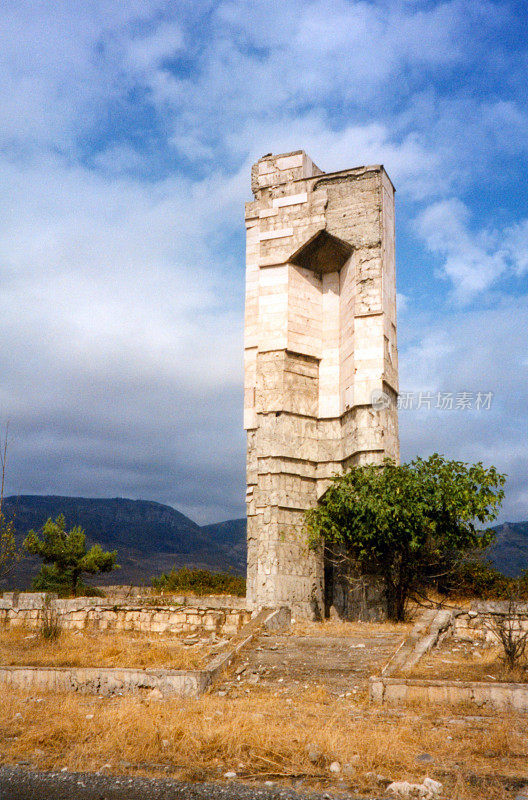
<point>205,615</point>
<point>109,681</point>
<point>497,696</point>
<point>129,595</point>
<point>426,634</point>
<point>477,623</point>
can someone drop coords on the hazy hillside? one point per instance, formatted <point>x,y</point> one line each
<point>510,551</point>
<point>149,537</point>
<point>231,536</point>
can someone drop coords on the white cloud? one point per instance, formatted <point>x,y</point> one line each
<point>122,290</point>
<point>266,64</point>
<point>474,260</point>
<point>118,274</point>
<point>148,51</point>
<point>55,82</point>
<point>122,336</point>
<point>480,351</point>
<point>517,245</point>
<point>402,301</point>
<point>315,71</point>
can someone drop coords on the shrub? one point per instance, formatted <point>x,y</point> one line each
<point>200,581</point>
<point>50,628</point>
<point>509,630</point>
<point>477,577</point>
<point>407,524</point>
<point>84,590</point>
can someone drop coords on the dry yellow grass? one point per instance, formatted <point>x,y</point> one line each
<point>447,663</point>
<point>260,733</point>
<point>21,646</point>
<point>347,628</point>
<point>261,736</point>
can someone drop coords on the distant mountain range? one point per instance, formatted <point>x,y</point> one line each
<point>151,538</point>
<point>510,551</point>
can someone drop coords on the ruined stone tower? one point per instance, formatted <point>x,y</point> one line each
<point>320,345</point>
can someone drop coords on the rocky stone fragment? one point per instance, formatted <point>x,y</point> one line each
<point>424,758</point>
<point>314,753</point>
<point>428,790</point>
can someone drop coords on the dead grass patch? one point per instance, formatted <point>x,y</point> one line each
<point>455,660</point>
<point>345,628</point>
<point>26,647</point>
<point>259,736</point>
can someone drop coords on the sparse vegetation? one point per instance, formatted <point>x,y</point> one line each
<point>50,627</point>
<point>9,552</point>
<point>23,646</point>
<point>408,525</point>
<point>455,660</point>
<point>66,558</point>
<point>475,577</point>
<point>200,582</point>
<point>337,627</point>
<point>260,736</point>
<point>261,733</point>
<point>510,631</point>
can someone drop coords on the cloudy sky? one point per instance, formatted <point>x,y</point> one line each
<point>127,132</point>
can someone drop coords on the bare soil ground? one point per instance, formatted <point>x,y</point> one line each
<point>336,657</point>
<point>26,647</point>
<point>458,659</point>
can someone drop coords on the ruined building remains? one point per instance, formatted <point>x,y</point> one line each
<point>321,365</point>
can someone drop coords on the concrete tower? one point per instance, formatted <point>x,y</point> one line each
<point>320,345</point>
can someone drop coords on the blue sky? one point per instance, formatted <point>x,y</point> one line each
<point>127,133</point>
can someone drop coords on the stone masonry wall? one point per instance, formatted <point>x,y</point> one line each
<point>98,614</point>
<point>320,338</point>
<point>477,623</point>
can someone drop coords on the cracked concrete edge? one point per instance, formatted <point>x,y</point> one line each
<point>426,633</point>
<point>104,681</point>
<point>272,619</point>
<point>430,629</point>
<point>496,696</point>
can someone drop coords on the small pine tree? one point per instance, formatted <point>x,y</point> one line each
<point>65,557</point>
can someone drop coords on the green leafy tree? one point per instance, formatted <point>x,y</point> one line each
<point>407,524</point>
<point>65,557</point>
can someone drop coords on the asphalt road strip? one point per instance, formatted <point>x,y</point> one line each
<point>21,784</point>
